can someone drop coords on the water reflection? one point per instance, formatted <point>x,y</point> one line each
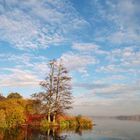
<point>105,129</point>
<point>38,134</point>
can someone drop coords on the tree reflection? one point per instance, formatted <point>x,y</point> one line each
<point>78,130</point>
<point>38,134</point>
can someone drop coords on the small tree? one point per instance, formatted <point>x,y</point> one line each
<point>56,96</point>
<point>14,95</point>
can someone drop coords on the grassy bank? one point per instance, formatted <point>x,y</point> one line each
<point>64,122</point>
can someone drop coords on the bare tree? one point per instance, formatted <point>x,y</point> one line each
<point>57,96</point>
<point>62,84</point>
<point>46,97</point>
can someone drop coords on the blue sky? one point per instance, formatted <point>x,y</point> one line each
<point>98,40</point>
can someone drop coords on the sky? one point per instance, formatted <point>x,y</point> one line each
<point>98,40</point>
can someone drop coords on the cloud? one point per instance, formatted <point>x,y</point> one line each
<point>26,70</point>
<point>21,32</point>
<point>37,24</point>
<point>120,37</point>
<point>102,90</point>
<point>107,99</point>
<point>121,22</point>
<point>111,91</point>
<point>91,49</point>
<point>121,60</point>
<point>119,89</point>
<point>85,46</point>
<point>17,78</point>
<point>127,21</point>
<point>90,86</point>
<point>78,62</point>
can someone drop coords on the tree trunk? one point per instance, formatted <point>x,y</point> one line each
<point>48,134</point>
<point>49,117</point>
<point>54,118</point>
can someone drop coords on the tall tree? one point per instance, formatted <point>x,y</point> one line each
<point>57,96</point>
<point>46,97</point>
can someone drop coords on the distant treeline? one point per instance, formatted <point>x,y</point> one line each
<point>121,117</point>
<point>133,117</point>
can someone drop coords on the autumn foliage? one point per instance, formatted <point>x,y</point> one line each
<point>14,111</point>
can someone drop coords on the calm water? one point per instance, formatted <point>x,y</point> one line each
<point>105,129</point>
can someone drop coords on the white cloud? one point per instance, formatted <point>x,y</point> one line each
<point>124,37</point>
<point>26,64</point>
<point>114,68</point>
<point>122,60</point>
<point>109,89</point>
<point>85,46</point>
<point>18,77</point>
<point>37,24</point>
<point>126,20</point>
<point>121,18</point>
<point>104,99</point>
<point>20,32</point>
<point>24,60</point>
<point>78,62</point>
<point>120,91</point>
<point>89,48</point>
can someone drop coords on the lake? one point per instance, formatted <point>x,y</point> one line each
<point>105,129</point>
